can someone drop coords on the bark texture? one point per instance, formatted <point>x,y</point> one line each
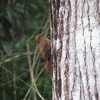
<point>75,28</point>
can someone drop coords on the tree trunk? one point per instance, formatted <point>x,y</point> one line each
<point>75,28</point>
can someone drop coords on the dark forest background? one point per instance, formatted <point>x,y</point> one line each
<point>22,76</point>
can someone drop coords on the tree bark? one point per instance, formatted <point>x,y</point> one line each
<point>75,34</point>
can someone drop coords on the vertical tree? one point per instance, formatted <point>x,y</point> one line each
<point>75,28</point>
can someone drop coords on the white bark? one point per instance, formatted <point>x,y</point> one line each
<point>77,49</point>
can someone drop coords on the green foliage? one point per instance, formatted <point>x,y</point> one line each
<point>22,76</point>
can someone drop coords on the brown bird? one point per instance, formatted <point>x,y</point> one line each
<point>44,50</point>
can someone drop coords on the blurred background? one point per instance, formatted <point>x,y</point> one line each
<point>22,76</point>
